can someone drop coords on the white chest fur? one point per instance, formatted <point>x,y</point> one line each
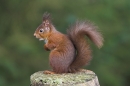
<point>46,41</point>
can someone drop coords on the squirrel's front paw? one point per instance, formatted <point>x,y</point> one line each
<point>46,48</point>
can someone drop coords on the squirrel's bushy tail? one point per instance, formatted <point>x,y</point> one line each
<point>77,34</point>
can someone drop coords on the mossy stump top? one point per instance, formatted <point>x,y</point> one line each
<point>82,78</point>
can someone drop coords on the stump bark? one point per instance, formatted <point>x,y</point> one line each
<point>82,78</point>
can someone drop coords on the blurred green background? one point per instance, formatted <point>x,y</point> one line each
<point>21,54</point>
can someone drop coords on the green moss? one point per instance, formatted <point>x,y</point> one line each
<point>58,79</point>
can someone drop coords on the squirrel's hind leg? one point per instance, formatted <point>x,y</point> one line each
<point>48,72</point>
<point>74,70</point>
<point>59,62</point>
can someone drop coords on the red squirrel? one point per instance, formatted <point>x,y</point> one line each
<point>68,52</point>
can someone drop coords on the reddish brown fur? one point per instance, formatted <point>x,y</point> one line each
<point>63,57</point>
<point>77,33</point>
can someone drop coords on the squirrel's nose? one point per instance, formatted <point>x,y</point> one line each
<point>34,34</point>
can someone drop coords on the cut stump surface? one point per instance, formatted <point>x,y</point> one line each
<point>82,78</point>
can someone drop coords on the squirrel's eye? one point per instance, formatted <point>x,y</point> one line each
<point>41,30</point>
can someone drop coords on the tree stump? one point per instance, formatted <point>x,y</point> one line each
<point>82,78</point>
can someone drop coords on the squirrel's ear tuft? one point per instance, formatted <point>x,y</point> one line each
<point>46,17</point>
<point>46,21</point>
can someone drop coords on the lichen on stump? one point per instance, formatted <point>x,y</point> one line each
<point>82,78</point>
